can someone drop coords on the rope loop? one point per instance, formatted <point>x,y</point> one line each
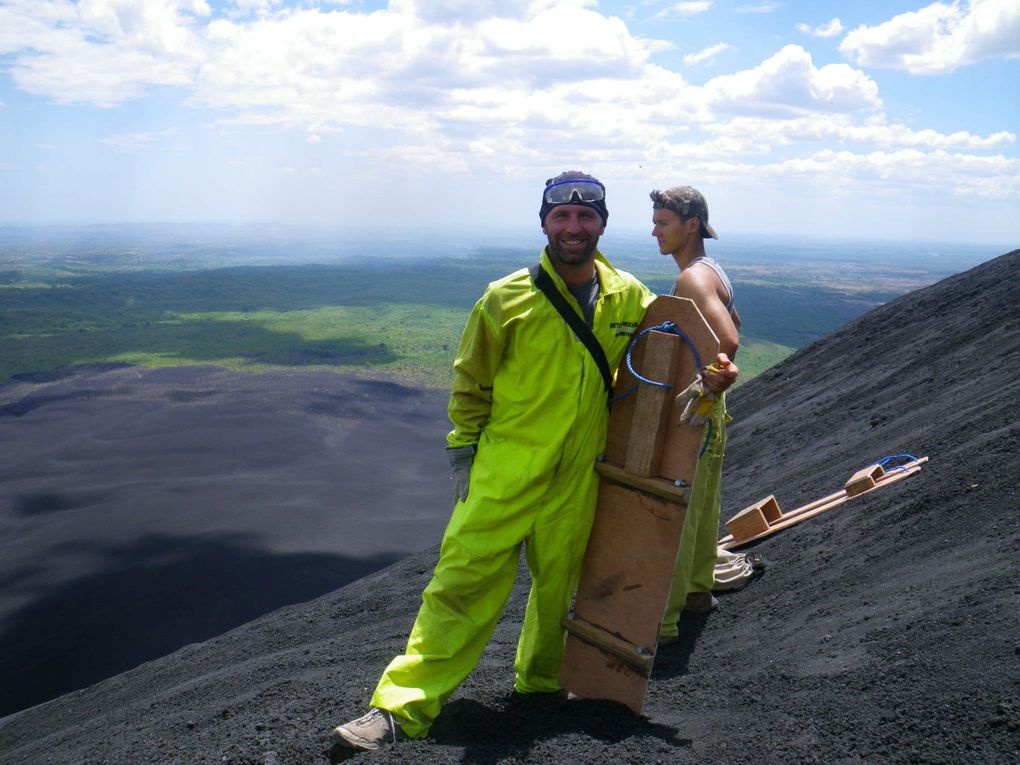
<point>670,328</point>
<point>885,460</point>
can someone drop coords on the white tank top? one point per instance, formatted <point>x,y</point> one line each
<point>714,265</point>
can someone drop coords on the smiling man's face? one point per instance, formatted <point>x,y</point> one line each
<point>573,232</point>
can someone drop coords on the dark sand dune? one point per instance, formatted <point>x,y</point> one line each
<point>885,631</point>
<point>144,510</point>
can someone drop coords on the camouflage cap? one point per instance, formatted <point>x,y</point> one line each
<point>687,202</point>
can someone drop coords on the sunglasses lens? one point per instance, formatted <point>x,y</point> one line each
<point>579,190</point>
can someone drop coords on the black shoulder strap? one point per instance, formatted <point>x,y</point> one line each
<point>581,329</point>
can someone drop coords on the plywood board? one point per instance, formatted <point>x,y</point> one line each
<point>649,464</point>
<point>625,581</point>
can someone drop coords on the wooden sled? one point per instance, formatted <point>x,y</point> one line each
<point>646,476</point>
<point>764,517</point>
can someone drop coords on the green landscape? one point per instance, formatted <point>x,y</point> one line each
<point>152,300</point>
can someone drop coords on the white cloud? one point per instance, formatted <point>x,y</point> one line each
<point>959,175</point>
<point>706,55</point>
<point>939,38</point>
<point>500,90</point>
<point>260,7</point>
<point>314,70</point>
<point>829,29</point>
<point>100,51</point>
<point>758,8</point>
<point>900,135</point>
<point>759,135</point>
<point>788,84</point>
<point>157,26</point>
<point>689,8</point>
<point>472,11</point>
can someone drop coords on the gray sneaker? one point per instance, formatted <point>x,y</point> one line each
<point>368,732</point>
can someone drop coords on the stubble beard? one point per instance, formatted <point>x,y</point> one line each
<point>573,258</point>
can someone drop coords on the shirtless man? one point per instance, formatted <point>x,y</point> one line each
<point>680,219</point>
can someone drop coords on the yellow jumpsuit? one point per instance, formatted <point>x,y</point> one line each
<point>529,394</point>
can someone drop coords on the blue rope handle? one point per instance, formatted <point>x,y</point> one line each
<point>668,327</point>
<point>885,460</point>
<point>673,329</point>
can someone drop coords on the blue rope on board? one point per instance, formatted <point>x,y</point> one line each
<point>670,328</point>
<point>885,460</point>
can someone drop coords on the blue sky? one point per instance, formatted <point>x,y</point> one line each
<point>868,119</point>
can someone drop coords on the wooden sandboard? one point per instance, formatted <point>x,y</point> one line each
<point>681,442</point>
<point>642,503</point>
<point>763,518</point>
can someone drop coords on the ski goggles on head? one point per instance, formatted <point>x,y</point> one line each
<point>577,190</point>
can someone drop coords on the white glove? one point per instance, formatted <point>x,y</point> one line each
<point>698,403</point>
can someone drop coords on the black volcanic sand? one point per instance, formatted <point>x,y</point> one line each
<point>144,510</point>
<point>884,631</point>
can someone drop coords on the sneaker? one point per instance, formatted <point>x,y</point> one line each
<point>368,732</point>
<point>700,602</point>
<point>756,562</point>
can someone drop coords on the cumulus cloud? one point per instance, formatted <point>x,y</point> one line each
<point>101,51</point>
<point>961,175</point>
<point>829,29</point>
<point>159,27</point>
<point>788,83</point>
<point>255,6</point>
<point>472,11</point>
<point>760,135</point>
<point>464,87</point>
<point>939,38</point>
<point>706,55</point>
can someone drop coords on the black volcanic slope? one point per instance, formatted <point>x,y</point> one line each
<point>143,510</point>
<point>885,631</point>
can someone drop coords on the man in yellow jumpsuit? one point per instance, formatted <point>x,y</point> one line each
<point>680,220</point>
<point>529,412</point>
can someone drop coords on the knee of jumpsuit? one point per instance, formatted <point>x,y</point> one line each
<point>555,552</point>
<point>695,563</point>
<point>459,611</point>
